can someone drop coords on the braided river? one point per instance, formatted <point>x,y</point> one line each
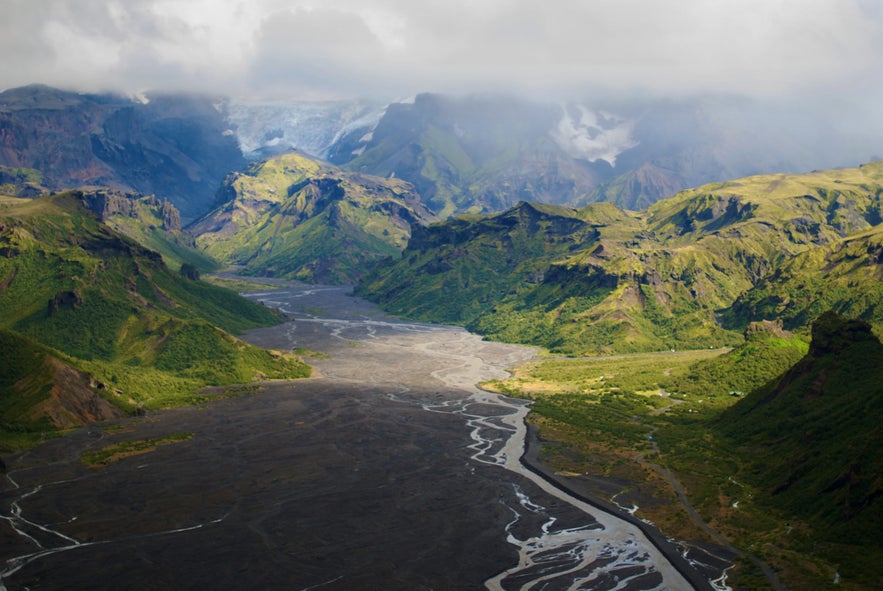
<point>389,469</point>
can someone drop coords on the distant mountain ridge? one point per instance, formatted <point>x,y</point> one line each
<point>485,153</point>
<point>690,271</point>
<point>462,153</point>
<point>177,147</point>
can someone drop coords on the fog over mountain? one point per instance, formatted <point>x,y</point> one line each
<point>394,48</point>
<point>730,88</point>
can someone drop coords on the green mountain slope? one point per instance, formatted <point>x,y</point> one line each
<point>86,298</point>
<point>660,279</point>
<point>294,217</point>
<point>844,276</point>
<point>151,222</point>
<point>812,439</point>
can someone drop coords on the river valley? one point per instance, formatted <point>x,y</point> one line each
<point>387,470</point>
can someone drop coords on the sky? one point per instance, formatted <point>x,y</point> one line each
<point>315,49</point>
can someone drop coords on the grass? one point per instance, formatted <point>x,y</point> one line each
<point>598,415</point>
<point>75,293</point>
<point>126,449</point>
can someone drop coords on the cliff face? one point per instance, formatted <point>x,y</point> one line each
<point>177,147</point>
<point>106,203</point>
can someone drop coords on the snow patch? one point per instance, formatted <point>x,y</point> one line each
<point>593,135</point>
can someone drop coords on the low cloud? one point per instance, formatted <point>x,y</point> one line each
<point>333,48</point>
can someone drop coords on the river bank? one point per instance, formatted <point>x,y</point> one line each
<point>388,470</point>
<point>698,571</point>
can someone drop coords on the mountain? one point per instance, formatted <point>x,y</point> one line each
<point>463,154</point>
<point>472,154</point>
<point>486,153</point>
<point>149,221</point>
<point>812,437</point>
<point>600,279</point>
<point>177,147</point>
<point>842,276</point>
<point>295,217</point>
<point>90,317</point>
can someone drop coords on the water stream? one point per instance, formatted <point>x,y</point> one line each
<point>562,542</point>
<point>602,552</point>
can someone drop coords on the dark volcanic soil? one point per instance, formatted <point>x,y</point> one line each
<point>342,481</point>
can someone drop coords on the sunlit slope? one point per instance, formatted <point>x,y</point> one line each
<point>293,217</point>
<point>664,278</point>
<point>109,308</point>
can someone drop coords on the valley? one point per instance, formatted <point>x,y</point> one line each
<point>387,468</point>
<point>697,383</point>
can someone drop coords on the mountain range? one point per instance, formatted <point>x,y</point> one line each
<point>177,147</point>
<point>567,226</point>
<point>690,271</point>
<point>467,154</point>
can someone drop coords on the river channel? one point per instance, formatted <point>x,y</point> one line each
<point>388,470</point>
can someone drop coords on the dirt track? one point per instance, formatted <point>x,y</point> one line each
<point>345,481</point>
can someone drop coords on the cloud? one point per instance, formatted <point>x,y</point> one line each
<point>400,47</point>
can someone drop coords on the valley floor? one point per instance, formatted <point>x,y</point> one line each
<point>385,470</point>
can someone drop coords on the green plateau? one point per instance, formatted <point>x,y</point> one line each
<point>91,316</point>
<point>294,217</point>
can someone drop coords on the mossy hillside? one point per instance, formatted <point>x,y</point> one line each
<point>661,279</point>
<point>148,228</point>
<point>21,358</point>
<point>813,435</point>
<point>451,272</point>
<point>599,414</point>
<point>844,276</point>
<point>99,302</point>
<point>293,217</point>
<point>21,182</point>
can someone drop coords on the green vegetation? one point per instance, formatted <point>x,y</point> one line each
<point>689,272</point>
<point>776,443</point>
<point>148,230</point>
<point>88,308</point>
<point>125,449</point>
<point>25,380</point>
<point>293,217</point>
<point>21,182</point>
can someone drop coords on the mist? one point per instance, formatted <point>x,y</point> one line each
<point>816,63</point>
<point>344,48</point>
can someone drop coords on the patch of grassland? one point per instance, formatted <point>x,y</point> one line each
<point>126,449</point>
<point>304,352</point>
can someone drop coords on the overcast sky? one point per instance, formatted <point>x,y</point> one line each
<point>395,48</point>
